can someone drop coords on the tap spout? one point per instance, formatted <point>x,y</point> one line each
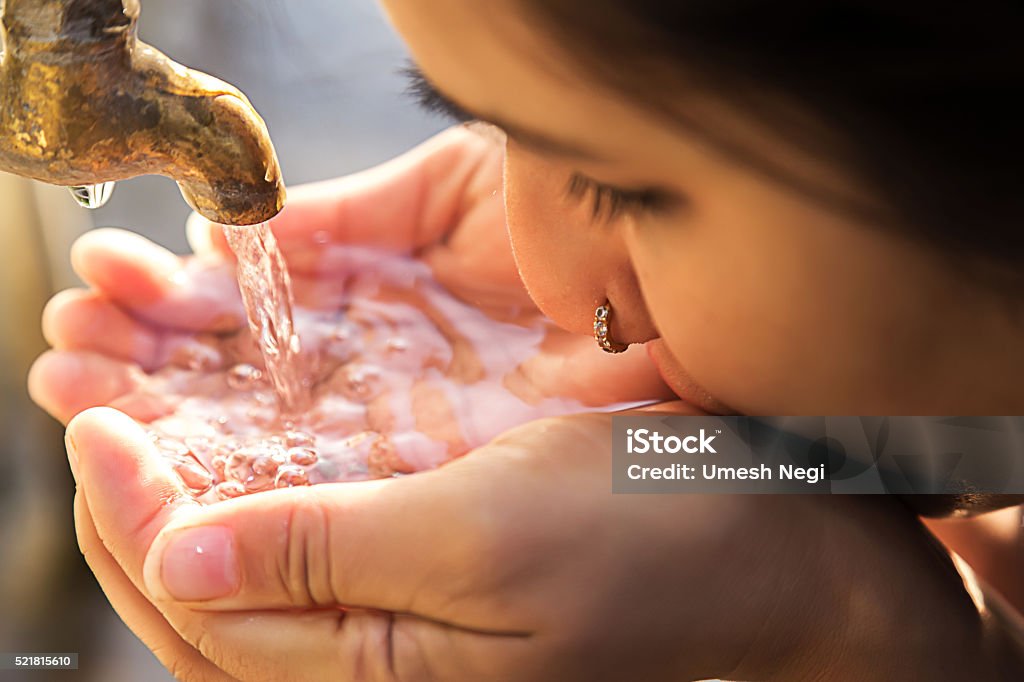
<point>83,101</point>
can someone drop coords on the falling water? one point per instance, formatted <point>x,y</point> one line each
<point>92,196</point>
<point>267,295</point>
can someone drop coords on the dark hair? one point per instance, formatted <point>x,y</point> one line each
<point>924,96</point>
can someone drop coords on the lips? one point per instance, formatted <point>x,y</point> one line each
<point>673,374</point>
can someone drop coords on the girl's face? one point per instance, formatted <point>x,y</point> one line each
<point>753,297</point>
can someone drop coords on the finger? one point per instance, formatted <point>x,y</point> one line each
<point>144,619</point>
<point>156,285</point>
<point>417,544</point>
<point>77,319</point>
<point>65,383</point>
<point>358,645</point>
<point>131,496</point>
<point>572,366</point>
<point>404,204</point>
<point>132,491</point>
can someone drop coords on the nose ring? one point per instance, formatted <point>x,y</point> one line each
<point>603,331</point>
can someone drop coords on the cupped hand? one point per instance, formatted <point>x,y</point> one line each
<point>514,562</point>
<point>147,309</point>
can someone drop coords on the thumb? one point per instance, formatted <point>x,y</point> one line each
<point>445,544</point>
<point>403,204</point>
<point>376,544</point>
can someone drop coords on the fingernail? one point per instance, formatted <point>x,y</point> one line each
<point>69,445</point>
<point>199,564</point>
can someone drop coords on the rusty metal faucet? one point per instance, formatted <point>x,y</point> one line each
<point>83,102</point>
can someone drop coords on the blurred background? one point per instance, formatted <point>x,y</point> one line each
<point>324,76</point>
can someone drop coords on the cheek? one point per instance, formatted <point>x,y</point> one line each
<point>566,263</point>
<point>784,313</point>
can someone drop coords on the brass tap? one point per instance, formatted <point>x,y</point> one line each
<point>83,101</point>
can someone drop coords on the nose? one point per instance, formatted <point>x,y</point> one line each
<point>570,261</point>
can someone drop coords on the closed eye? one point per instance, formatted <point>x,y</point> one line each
<point>609,202</point>
<point>430,98</point>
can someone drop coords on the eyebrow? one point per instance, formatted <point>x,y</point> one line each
<point>432,99</point>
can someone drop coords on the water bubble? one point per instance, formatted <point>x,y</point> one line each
<point>197,357</point>
<point>92,196</point>
<point>341,345</point>
<point>218,464</point>
<point>228,489</point>
<point>236,466</point>
<point>259,482</point>
<point>262,415</point>
<point>297,439</point>
<point>265,398</point>
<point>360,383</point>
<point>264,465</point>
<point>291,476</point>
<point>193,474</point>
<point>244,376</point>
<point>172,447</point>
<point>198,444</point>
<point>303,456</point>
<point>339,334</point>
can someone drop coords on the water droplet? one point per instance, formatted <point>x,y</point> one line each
<point>244,376</point>
<point>92,196</point>
<point>291,476</point>
<point>228,489</point>
<point>397,345</point>
<point>304,456</point>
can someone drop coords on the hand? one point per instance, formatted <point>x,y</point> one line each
<point>147,308</point>
<point>469,554</point>
<point>145,305</point>
<point>515,563</point>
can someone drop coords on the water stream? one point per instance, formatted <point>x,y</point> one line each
<point>266,292</point>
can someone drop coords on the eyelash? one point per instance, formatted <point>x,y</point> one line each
<point>608,202</point>
<point>429,99</point>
